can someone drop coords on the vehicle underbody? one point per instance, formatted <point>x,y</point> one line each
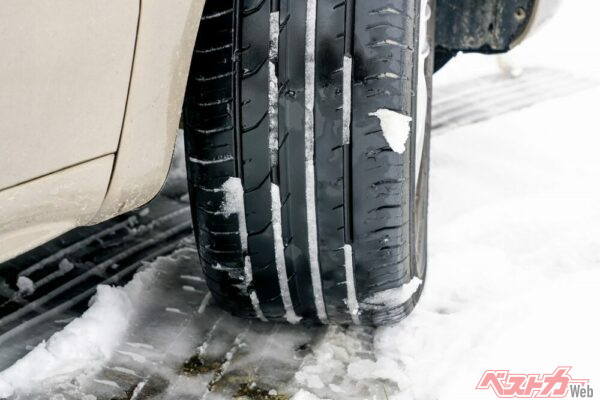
<point>479,26</point>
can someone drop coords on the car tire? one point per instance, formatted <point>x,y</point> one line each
<point>307,142</point>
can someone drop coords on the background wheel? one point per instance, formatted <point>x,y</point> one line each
<point>307,140</point>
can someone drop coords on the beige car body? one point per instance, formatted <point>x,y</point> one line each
<point>90,100</point>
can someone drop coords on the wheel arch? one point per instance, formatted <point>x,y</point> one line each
<point>487,26</point>
<point>166,35</point>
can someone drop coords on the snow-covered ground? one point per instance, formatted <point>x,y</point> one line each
<point>513,280</point>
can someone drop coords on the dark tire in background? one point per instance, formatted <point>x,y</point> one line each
<point>305,207</point>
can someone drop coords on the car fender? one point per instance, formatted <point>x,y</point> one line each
<point>166,36</point>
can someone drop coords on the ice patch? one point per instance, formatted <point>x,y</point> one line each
<point>83,344</point>
<point>392,297</point>
<point>395,127</point>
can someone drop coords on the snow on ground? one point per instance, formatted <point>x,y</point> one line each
<point>513,279</point>
<point>83,345</point>
<point>514,261</point>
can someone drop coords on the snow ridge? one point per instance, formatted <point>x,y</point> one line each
<point>83,344</point>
